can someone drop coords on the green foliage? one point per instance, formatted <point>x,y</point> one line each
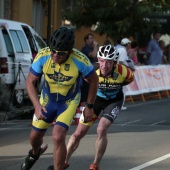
<point>117,17</point>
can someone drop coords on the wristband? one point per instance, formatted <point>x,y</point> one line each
<point>89,105</point>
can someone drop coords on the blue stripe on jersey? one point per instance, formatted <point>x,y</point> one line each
<point>90,73</point>
<point>39,130</point>
<point>62,124</point>
<point>34,72</point>
<point>84,70</point>
<point>38,64</point>
<point>107,95</point>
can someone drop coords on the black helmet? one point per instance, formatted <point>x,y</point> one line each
<point>62,39</point>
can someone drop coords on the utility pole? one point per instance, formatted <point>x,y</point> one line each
<point>49,22</point>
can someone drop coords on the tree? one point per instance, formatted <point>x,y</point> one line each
<point>118,17</point>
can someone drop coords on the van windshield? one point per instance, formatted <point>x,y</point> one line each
<point>40,43</point>
<point>20,42</point>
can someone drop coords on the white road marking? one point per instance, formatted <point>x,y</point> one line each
<point>130,122</point>
<point>157,123</point>
<point>151,162</point>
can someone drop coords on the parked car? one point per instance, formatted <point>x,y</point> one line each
<point>19,44</point>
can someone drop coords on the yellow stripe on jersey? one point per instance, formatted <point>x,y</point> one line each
<point>80,57</point>
<point>43,52</point>
<point>120,75</point>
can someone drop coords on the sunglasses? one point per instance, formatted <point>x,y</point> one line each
<point>60,53</point>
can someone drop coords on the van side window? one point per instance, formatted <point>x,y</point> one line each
<point>20,42</point>
<point>8,42</point>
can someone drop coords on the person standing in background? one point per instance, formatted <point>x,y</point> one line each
<point>132,52</point>
<point>121,47</point>
<point>163,48</point>
<point>90,49</point>
<point>154,52</point>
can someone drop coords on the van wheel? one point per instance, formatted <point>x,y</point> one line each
<point>19,97</point>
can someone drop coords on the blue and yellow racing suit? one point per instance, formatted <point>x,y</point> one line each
<point>61,89</point>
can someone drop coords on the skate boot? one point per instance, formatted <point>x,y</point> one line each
<point>31,159</point>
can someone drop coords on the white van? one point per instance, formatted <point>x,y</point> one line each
<point>19,43</point>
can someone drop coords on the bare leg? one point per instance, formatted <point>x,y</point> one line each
<point>36,140</point>
<point>59,153</point>
<point>101,141</point>
<point>74,140</point>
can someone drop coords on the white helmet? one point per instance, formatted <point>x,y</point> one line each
<point>108,52</point>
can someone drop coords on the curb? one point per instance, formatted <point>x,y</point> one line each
<point>24,112</point>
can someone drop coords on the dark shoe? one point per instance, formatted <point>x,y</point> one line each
<point>31,159</point>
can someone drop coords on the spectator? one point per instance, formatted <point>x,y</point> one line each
<point>154,52</point>
<point>121,47</point>
<point>132,52</point>
<point>163,48</point>
<point>90,50</point>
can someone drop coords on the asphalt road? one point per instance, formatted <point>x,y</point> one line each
<point>138,139</point>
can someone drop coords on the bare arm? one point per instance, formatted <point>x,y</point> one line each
<point>93,80</point>
<point>164,58</point>
<point>33,95</point>
<point>93,85</point>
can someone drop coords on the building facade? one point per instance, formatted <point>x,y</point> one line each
<point>45,16</point>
